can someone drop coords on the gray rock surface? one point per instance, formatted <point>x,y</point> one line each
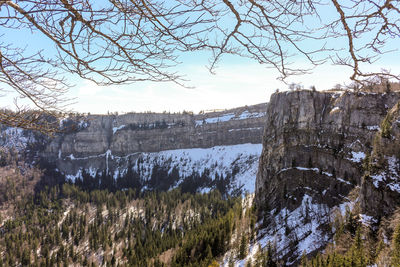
<point>314,145</point>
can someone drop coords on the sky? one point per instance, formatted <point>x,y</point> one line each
<point>233,85</point>
<point>237,82</point>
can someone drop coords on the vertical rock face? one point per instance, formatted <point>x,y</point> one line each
<point>313,148</point>
<point>380,188</point>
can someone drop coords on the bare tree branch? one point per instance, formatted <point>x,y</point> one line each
<point>124,41</point>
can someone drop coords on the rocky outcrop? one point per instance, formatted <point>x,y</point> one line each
<point>313,148</point>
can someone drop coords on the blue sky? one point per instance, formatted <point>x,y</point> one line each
<point>237,82</point>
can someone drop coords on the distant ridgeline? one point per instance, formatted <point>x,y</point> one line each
<point>154,151</point>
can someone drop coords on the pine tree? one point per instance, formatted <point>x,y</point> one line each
<point>25,260</point>
<point>357,250</point>
<point>243,247</point>
<point>209,254</point>
<point>304,259</point>
<point>396,247</point>
<point>268,254</point>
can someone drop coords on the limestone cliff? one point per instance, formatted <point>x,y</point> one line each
<point>313,148</point>
<point>113,143</point>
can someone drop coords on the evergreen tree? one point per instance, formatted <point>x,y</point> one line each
<point>357,250</point>
<point>396,247</point>
<point>243,247</point>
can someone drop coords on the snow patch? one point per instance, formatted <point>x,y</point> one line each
<point>307,169</point>
<point>73,177</point>
<point>245,129</point>
<point>316,170</point>
<point>343,181</point>
<point>367,220</point>
<point>343,207</point>
<point>223,118</point>
<point>377,179</point>
<point>230,116</point>
<point>246,115</point>
<point>115,129</point>
<point>335,109</point>
<point>394,187</point>
<point>373,128</point>
<point>357,156</point>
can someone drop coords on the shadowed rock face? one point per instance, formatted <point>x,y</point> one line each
<point>314,145</point>
<point>111,142</point>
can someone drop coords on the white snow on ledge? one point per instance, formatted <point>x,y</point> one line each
<point>373,128</point>
<point>223,118</point>
<point>115,129</point>
<point>335,109</point>
<point>357,156</point>
<point>230,116</point>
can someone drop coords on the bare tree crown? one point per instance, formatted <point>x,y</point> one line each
<point>114,41</point>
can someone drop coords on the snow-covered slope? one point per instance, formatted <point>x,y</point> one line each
<point>237,164</point>
<point>221,160</point>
